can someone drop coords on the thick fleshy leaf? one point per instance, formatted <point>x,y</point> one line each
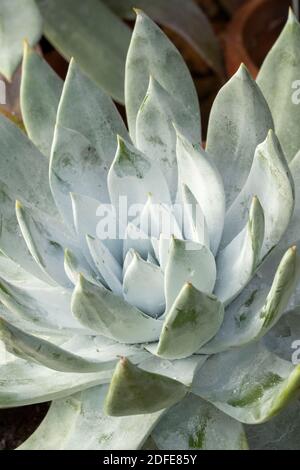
<point>143,286</point>
<point>46,240</point>
<point>270,180</point>
<point>182,370</point>
<point>204,181</point>
<point>75,264</point>
<point>155,133</point>
<point>256,310</point>
<point>107,265</point>
<point>132,177</point>
<point>48,354</point>
<point>282,432</point>
<point>93,35</point>
<point>23,383</point>
<point>282,65</point>
<point>135,391</point>
<point>251,386</point>
<point>192,321</point>
<point>240,120</point>
<point>85,140</point>
<point>237,262</point>
<point>13,273</point>
<point>12,242</point>
<point>40,94</point>
<point>98,221</point>
<point>78,423</point>
<point>108,314</point>
<point>188,262</point>
<point>47,307</point>
<point>194,424</point>
<point>195,226</point>
<point>188,24</point>
<point>143,61</point>
<point>19,20</point>
<point>29,183</point>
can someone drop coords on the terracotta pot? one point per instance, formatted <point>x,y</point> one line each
<point>253,30</point>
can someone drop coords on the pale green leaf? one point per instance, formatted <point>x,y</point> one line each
<point>40,94</point>
<point>258,308</point>
<point>279,81</point>
<point>240,120</point>
<point>108,314</point>
<point>188,262</point>
<point>192,321</point>
<point>271,181</point>
<point>194,424</point>
<point>167,68</point>
<point>135,391</point>
<point>78,423</point>
<point>237,262</point>
<point>252,385</point>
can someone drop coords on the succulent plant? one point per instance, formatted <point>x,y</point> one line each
<point>176,331</point>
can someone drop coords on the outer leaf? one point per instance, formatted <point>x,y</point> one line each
<point>29,183</point>
<point>23,383</point>
<point>85,140</point>
<point>109,315</point>
<point>188,262</point>
<point>36,349</point>
<point>282,66</point>
<point>40,93</point>
<point>93,35</point>
<point>270,180</point>
<point>188,23</point>
<point>191,322</point>
<point>195,424</point>
<point>134,391</point>
<point>251,386</point>
<point>46,241</point>
<point>143,61</point>
<point>256,310</point>
<point>19,20</point>
<point>282,432</point>
<point>78,423</point>
<point>46,307</point>
<point>237,262</point>
<point>12,242</point>
<point>240,120</point>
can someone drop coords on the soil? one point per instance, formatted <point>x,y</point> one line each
<point>17,424</point>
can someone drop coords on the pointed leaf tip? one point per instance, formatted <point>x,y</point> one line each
<point>134,391</point>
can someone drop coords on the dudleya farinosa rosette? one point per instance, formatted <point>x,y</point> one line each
<point>171,326</point>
